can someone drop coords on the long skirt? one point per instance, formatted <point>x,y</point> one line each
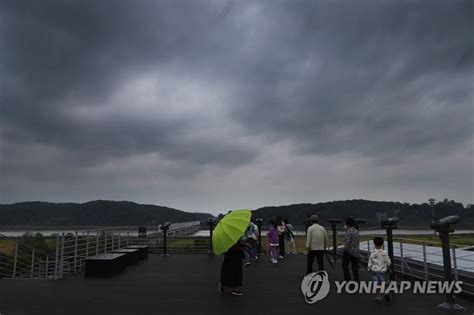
<point>231,272</point>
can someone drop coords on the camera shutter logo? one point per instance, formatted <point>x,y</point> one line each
<point>315,286</point>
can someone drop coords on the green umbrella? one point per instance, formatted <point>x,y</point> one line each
<point>229,230</point>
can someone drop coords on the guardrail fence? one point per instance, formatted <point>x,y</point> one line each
<point>413,258</point>
<point>67,251</point>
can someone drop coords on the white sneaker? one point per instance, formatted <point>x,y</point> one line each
<point>274,261</point>
<point>281,257</point>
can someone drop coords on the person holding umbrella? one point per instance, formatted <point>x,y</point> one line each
<point>231,271</point>
<point>227,240</point>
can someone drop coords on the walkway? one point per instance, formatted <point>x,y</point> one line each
<point>187,284</point>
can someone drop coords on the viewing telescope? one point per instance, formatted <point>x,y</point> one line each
<point>445,226</point>
<point>211,221</point>
<point>360,220</point>
<point>446,223</point>
<point>389,223</point>
<point>165,226</point>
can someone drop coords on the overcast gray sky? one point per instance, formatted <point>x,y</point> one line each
<point>214,105</point>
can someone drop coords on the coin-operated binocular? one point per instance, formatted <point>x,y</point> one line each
<point>360,221</point>
<point>165,227</point>
<point>334,223</point>
<point>211,222</point>
<point>389,225</point>
<point>445,226</point>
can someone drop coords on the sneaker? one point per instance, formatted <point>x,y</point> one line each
<point>237,292</point>
<point>378,299</point>
<point>274,261</point>
<point>221,288</point>
<point>387,297</point>
<point>247,263</point>
<point>281,257</point>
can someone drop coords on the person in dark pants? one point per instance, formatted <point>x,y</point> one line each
<point>316,242</point>
<point>281,236</point>
<point>231,271</point>
<point>351,253</point>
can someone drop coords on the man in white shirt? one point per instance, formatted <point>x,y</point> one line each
<point>316,243</point>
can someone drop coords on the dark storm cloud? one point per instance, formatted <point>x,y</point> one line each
<point>378,79</point>
<point>57,51</point>
<point>217,83</point>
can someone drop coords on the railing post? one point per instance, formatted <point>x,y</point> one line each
<point>87,245</point>
<point>56,263</point>
<point>455,264</point>
<point>32,263</point>
<point>425,263</point>
<point>105,241</point>
<point>119,240</point>
<point>97,242</point>
<point>15,260</point>
<point>75,252</point>
<point>128,236</point>
<point>61,270</point>
<point>113,237</point>
<point>47,266</point>
<point>401,258</point>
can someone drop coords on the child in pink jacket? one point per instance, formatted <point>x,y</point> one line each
<point>273,241</point>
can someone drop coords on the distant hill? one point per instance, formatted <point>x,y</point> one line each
<point>113,213</point>
<point>94,213</point>
<point>410,215</point>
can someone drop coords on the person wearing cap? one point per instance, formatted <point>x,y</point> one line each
<point>316,242</point>
<point>351,250</point>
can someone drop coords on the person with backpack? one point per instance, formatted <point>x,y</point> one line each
<point>250,237</point>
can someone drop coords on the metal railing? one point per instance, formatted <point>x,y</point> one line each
<point>20,260</point>
<point>422,260</point>
<point>68,251</point>
<point>412,258</point>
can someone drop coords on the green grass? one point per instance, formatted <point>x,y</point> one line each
<point>461,240</point>
<point>458,239</point>
<point>7,247</point>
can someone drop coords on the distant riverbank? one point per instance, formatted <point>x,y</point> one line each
<point>366,232</point>
<point>47,231</point>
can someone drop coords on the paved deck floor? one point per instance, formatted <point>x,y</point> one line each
<point>187,284</point>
